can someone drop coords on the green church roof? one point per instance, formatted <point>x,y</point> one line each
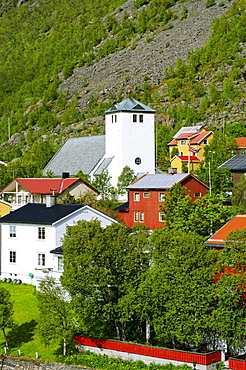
<point>130,105</point>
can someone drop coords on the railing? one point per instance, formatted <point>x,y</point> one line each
<point>164,353</point>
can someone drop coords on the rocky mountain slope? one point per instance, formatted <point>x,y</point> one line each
<point>147,56</point>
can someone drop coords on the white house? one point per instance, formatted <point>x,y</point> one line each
<point>129,141</point>
<point>31,239</point>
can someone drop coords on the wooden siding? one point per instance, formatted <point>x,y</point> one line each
<point>237,364</point>
<point>175,355</point>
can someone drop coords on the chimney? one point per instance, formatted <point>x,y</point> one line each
<point>172,170</point>
<point>51,199</point>
<point>65,175</point>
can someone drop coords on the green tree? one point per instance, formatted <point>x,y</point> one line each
<point>126,178</point>
<point>102,184</point>
<point>56,319</point>
<point>205,215</point>
<point>229,317</point>
<point>6,312</point>
<point>239,196</point>
<point>101,268</point>
<point>178,288</point>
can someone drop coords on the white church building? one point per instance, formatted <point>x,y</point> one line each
<point>129,141</point>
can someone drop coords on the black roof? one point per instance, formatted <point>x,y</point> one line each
<point>36,213</point>
<point>122,207</point>
<point>236,163</point>
<point>57,250</point>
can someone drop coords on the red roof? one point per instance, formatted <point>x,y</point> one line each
<point>186,135</point>
<point>44,185</point>
<point>192,158</point>
<point>241,142</point>
<point>236,223</point>
<point>200,137</point>
<point>173,142</point>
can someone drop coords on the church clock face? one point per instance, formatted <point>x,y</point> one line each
<point>138,160</point>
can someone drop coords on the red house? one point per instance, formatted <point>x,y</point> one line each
<point>147,193</point>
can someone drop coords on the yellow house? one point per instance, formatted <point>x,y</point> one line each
<point>188,146</point>
<point>4,208</point>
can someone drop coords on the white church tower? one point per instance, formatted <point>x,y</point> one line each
<point>130,139</point>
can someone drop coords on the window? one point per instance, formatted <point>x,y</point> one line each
<point>141,118</point>
<point>197,195</point>
<point>134,118</point>
<point>12,231</point>
<point>112,118</point>
<point>146,195</point>
<point>205,142</point>
<point>60,263</point>
<point>137,197</point>
<point>41,233</point>
<point>41,259</point>
<point>135,216</point>
<point>141,216</point>
<point>181,153</point>
<point>115,118</point>
<point>161,216</point>
<point>12,256</point>
<point>161,197</point>
<point>138,160</point>
<point>182,142</point>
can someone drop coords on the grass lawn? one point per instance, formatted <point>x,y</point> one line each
<point>24,335</point>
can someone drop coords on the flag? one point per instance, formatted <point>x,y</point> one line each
<point>193,150</point>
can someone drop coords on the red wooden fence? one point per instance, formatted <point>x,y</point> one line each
<point>169,354</point>
<point>237,364</point>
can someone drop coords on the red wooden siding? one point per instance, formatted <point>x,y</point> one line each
<point>203,359</point>
<point>237,364</point>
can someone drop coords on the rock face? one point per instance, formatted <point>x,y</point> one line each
<point>131,67</point>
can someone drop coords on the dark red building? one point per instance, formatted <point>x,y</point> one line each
<point>146,195</point>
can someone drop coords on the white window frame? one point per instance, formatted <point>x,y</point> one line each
<point>12,256</point>
<point>141,118</point>
<point>136,197</point>
<point>205,142</point>
<point>60,263</point>
<point>161,197</point>
<point>181,153</point>
<point>134,118</point>
<point>41,259</point>
<point>182,142</point>
<point>197,195</point>
<point>12,231</point>
<point>136,217</point>
<point>146,195</point>
<point>41,233</point>
<point>161,214</point>
<point>141,216</point>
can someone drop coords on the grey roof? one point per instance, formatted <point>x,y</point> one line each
<point>158,181</point>
<point>130,105</point>
<point>103,166</point>
<point>185,130</point>
<point>236,163</point>
<point>80,153</point>
<point>38,213</point>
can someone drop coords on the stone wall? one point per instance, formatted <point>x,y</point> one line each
<point>10,363</point>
